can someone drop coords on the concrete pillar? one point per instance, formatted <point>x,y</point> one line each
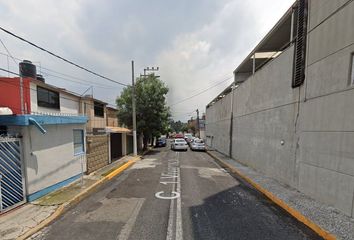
<point>124,144</point>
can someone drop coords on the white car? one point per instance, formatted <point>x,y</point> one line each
<point>198,144</point>
<point>179,144</point>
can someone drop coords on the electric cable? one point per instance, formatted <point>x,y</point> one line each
<point>61,58</point>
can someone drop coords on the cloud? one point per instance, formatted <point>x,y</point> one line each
<point>198,59</point>
<point>195,43</point>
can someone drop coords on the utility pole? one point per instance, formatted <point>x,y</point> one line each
<point>198,123</point>
<point>135,144</point>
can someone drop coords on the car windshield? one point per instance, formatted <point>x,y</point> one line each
<point>180,141</point>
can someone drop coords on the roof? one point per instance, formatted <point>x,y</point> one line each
<point>276,40</point>
<point>118,130</point>
<point>112,109</point>
<point>271,46</point>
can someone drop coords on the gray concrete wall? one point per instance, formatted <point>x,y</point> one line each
<point>265,111</point>
<point>217,125</point>
<point>303,137</point>
<point>326,152</point>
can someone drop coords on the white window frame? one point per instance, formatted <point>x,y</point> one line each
<point>82,139</point>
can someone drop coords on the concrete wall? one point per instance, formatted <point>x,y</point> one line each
<point>303,137</point>
<point>326,152</point>
<point>265,111</point>
<point>49,158</point>
<point>217,125</point>
<point>69,104</point>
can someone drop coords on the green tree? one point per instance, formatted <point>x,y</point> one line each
<point>176,126</point>
<point>152,113</point>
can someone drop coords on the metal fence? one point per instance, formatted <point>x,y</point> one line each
<point>12,191</point>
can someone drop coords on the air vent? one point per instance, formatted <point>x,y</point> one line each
<point>300,45</point>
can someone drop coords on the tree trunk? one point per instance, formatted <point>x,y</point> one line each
<point>146,142</point>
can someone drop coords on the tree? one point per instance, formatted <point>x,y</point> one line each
<point>177,126</point>
<point>152,113</point>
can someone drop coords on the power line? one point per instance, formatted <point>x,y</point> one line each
<point>34,89</point>
<point>199,93</point>
<point>67,76</point>
<point>61,58</point>
<point>7,50</point>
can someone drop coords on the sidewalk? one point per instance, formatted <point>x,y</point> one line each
<point>20,222</point>
<point>324,216</point>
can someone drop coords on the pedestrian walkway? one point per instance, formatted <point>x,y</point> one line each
<point>327,217</point>
<point>20,221</point>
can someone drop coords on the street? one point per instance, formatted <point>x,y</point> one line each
<point>176,195</point>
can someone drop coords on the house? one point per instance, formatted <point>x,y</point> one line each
<point>198,131</point>
<point>287,114</point>
<point>106,141</point>
<point>43,140</point>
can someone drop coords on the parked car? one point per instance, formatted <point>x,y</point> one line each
<point>191,141</point>
<point>179,135</point>
<point>161,142</point>
<point>179,144</point>
<point>188,137</point>
<point>197,145</point>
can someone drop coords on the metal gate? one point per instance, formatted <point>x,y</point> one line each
<point>116,146</point>
<point>12,192</point>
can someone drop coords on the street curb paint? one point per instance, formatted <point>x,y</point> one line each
<point>293,212</point>
<point>78,198</point>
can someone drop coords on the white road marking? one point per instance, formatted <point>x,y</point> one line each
<point>126,230</point>
<point>174,195</point>
<point>169,235</point>
<point>179,228</point>
<point>165,183</point>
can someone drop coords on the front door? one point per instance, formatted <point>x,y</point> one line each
<point>116,146</point>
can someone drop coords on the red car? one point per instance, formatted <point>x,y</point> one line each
<point>178,135</point>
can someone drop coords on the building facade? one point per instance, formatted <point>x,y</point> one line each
<point>287,113</point>
<point>49,136</point>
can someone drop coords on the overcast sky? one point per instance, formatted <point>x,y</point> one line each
<point>196,43</point>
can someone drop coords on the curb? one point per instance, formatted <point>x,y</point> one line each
<point>78,198</point>
<point>293,212</point>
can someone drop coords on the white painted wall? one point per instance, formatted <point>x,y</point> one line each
<point>49,158</point>
<point>69,104</point>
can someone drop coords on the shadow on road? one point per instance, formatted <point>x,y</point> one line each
<point>241,212</point>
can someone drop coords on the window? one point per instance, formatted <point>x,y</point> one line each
<point>98,109</point>
<point>47,98</point>
<point>352,71</point>
<point>78,141</point>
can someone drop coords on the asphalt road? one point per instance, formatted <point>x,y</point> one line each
<point>176,195</point>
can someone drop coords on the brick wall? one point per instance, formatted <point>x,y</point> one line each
<point>97,152</point>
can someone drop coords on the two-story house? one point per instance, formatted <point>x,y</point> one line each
<point>43,140</point>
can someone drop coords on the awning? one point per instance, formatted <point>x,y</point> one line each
<point>117,130</point>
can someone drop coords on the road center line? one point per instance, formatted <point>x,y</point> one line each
<point>179,228</point>
<point>169,235</point>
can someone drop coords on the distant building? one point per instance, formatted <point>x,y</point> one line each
<point>198,131</point>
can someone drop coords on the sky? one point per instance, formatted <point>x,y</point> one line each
<point>195,43</point>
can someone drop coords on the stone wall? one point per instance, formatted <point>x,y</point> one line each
<point>97,152</point>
